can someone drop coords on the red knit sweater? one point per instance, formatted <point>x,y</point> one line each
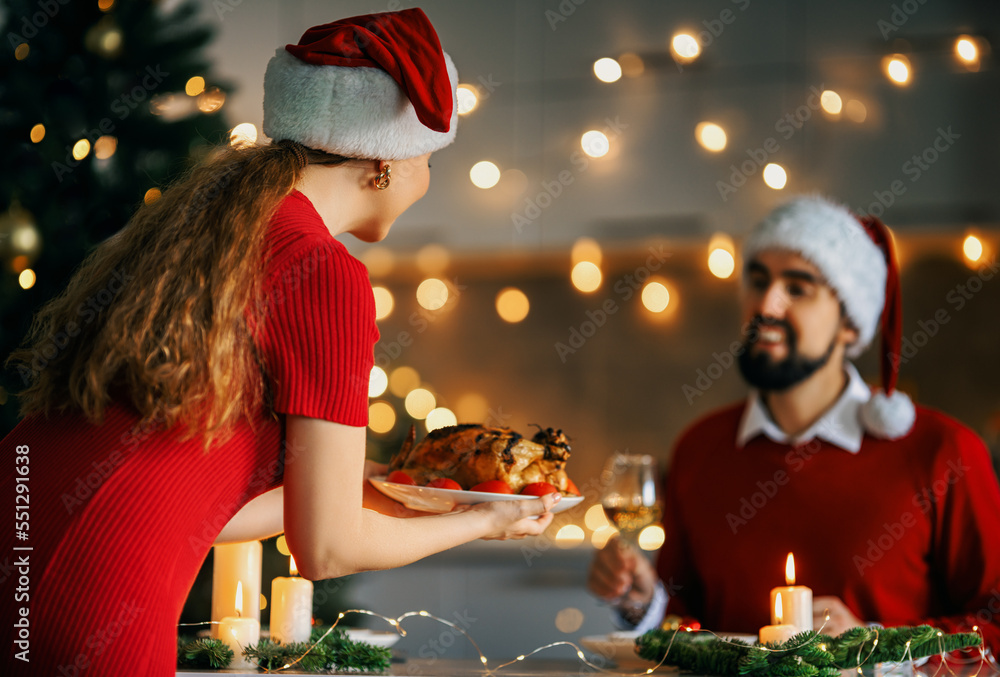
<point>904,532</point>
<point>121,519</point>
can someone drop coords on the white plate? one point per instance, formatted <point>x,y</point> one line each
<point>618,647</point>
<point>432,499</point>
<point>383,639</point>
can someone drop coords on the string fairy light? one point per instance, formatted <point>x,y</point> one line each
<point>396,624</point>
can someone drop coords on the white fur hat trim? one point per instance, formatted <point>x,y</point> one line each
<point>356,112</point>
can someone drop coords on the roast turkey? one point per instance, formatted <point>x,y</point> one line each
<point>471,454</point>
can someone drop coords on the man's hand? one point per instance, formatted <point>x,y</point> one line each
<point>841,618</point>
<point>620,575</point>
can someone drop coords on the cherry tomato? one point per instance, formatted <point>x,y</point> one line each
<point>493,487</point>
<point>539,489</point>
<point>444,483</point>
<point>571,487</point>
<point>399,477</point>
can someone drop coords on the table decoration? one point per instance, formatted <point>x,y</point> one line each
<point>796,600</point>
<point>807,654</point>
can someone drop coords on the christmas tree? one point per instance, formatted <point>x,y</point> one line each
<point>102,103</point>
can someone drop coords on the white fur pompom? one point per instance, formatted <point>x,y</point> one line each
<point>889,417</point>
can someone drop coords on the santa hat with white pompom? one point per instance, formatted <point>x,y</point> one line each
<point>855,255</point>
<point>377,87</point>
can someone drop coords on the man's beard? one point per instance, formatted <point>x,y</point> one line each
<point>764,373</point>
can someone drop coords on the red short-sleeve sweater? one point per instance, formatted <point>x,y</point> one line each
<point>121,518</point>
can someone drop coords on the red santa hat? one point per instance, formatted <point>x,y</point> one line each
<point>856,256</point>
<point>376,86</point>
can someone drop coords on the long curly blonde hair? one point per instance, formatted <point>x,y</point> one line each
<point>159,314</point>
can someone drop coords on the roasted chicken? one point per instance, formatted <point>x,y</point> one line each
<point>471,454</point>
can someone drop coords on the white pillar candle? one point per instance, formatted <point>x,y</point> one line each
<point>236,563</point>
<point>796,600</point>
<point>778,632</point>
<point>291,608</point>
<point>239,633</point>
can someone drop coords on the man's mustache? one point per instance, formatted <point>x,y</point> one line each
<point>759,321</point>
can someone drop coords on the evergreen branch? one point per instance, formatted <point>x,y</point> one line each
<point>205,653</point>
<point>807,654</point>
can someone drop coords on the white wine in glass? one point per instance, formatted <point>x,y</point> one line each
<point>630,498</point>
<point>630,495</point>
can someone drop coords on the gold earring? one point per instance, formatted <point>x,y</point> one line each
<point>381,182</point>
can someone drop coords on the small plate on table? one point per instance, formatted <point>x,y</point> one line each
<point>618,647</point>
<point>432,499</point>
<point>382,639</point>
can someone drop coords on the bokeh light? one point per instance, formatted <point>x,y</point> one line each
<point>972,247</point>
<point>384,302</point>
<point>432,294</point>
<point>484,174</point>
<point>243,134</point>
<point>378,381</point>
<point>652,537</point>
<point>569,536</point>
<point>607,70</point>
<point>381,417</point>
<point>655,296</point>
<point>440,417</point>
<point>512,305</point>
<point>684,48</point>
<point>831,102</point>
<point>711,136</point>
<point>419,402</point>
<point>403,380</point>
<point>595,143</point>
<point>468,99</point>
<point>775,176</point>
<point>586,276</point>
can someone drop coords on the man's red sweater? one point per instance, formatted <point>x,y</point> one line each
<point>904,532</point>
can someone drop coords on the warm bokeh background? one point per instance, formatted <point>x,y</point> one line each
<point>922,154</point>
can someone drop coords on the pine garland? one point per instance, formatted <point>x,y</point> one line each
<point>807,654</point>
<point>204,653</point>
<point>336,652</point>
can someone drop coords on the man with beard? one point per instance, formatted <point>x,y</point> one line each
<point>892,511</point>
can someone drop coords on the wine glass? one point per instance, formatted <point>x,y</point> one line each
<point>630,498</point>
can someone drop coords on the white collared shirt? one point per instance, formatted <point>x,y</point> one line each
<point>840,425</point>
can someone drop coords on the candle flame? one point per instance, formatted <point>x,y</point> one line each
<point>292,569</point>
<point>777,609</point>
<point>239,598</point>
<point>790,570</point>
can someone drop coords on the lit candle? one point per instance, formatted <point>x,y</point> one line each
<point>291,607</point>
<point>236,562</point>
<point>239,632</point>
<point>797,600</point>
<point>779,632</point>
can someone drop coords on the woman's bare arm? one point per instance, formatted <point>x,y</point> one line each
<point>331,534</point>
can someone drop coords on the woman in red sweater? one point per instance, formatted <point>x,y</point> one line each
<point>208,367</point>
